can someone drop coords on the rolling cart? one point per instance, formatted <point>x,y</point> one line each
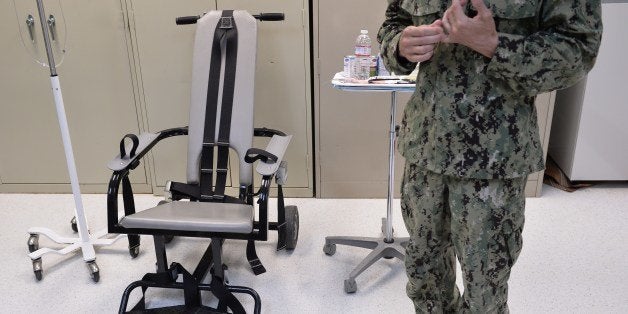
<point>386,247</point>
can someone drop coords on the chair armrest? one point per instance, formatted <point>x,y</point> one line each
<point>277,147</point>
<point>140,146</point>
<point>264,132</point>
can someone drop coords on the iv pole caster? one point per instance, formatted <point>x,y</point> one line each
<point>37,269</point>
<point>94,271</point>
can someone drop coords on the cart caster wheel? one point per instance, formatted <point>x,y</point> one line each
<point>38,275</point>
<point>292,227</point>
<point>94,272</point>
<point>37,268</point>
<point>134,252</point>
<point>33,243</point>
<point>329,249</point>
<point>73,224</point>
<point>350,286</point>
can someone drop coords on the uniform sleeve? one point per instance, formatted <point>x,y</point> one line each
<point>557,56</point>
<point>397,19</point>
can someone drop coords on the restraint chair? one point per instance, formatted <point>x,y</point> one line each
<point>221,118</point>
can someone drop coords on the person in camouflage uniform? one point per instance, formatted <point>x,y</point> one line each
<point>469,132</point>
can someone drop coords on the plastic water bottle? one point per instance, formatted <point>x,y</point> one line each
<point>362,55</point>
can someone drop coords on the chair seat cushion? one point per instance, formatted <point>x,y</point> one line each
<point>194,216</point>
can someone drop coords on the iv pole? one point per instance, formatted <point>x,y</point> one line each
<point>85,241</point>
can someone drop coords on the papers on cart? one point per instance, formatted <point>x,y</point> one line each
<point>384,83</point>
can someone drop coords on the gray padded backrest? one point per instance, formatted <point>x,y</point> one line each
<point>241,135</point>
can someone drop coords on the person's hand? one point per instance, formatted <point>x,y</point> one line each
<point>417,43</point>
<point>478,33</point>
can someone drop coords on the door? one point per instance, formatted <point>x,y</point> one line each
<point>91,50</point>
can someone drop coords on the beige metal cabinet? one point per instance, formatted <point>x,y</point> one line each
<point>282,93</point>
<point>91,48</point>
<point>163,54</point>
<point>352,127</point>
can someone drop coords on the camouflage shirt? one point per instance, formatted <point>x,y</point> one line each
<point>471,116</point>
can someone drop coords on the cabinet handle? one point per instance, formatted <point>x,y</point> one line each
<point>51,26</point>
<point>30,23</point>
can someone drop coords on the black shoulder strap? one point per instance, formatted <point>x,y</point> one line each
<point>224,28</point>
<point>227,106</point>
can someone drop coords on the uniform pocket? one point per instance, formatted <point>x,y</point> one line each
<point>514,245</point>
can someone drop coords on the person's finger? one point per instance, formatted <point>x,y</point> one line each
<point>480,6</point>
<point>421,50</point>
<point>456,12</point>
<point>425,57</point>
<point>420,31</point>
<point>422,41</point>
<point>446,23</point>
<point>420,57</point>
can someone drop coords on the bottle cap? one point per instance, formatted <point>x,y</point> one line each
<point>364,31</point>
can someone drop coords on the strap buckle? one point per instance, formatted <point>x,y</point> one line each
<point>226,22</point>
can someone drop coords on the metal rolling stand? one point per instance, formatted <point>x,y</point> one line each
<point>85,241</point>
<point>387,247</point>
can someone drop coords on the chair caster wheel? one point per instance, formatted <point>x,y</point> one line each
<point>350,286</point>
<point>73,224</point>
<point>329,249</point>
<point>33,243</point>
<point>94,271</point>
<point>134,252</point>
<point>37,269</point>
<point>292,227</point>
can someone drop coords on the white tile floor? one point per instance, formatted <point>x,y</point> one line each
<point>575,258</point>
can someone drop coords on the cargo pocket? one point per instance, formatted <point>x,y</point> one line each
<point>514,243</point>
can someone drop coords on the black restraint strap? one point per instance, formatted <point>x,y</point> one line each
<point>209,132</point>
<point>251,256</point>
<point>226,33</point>
<point>228,88</point>
<point>129,208</point>
<point>226,299</point>
<point>136,142</point>
<point>191,292</point>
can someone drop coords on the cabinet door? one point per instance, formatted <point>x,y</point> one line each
<point>282,80</point>
<point>164,54</point>
<point>282,83</point>
<point>94,69</point>
<point>353,130</point>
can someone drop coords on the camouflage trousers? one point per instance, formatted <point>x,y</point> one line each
<point>477,221</point>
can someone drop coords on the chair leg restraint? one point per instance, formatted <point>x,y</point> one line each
<point>191,285</point>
